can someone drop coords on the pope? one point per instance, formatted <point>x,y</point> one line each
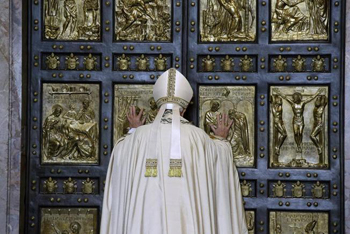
<point>170,177</point>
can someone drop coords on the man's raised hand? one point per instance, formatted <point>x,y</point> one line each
<point>222,127</point>
<point>135,120</point>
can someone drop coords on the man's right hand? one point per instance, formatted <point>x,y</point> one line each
<point>222,127</point>
<point>135,120</point>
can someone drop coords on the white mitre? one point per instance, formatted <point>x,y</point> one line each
<point>172,87</point>
<point>171,91</point>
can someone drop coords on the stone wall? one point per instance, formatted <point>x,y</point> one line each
<point>10,113</point>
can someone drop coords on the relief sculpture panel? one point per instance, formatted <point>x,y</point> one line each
<point>298,222</point>
<point>72,19</point>
<point>143,20</point>
<point>300,20</point>
<point>239,103</point>
<point>298,126</point>
<point>126,95</point>
<point>227,20</point>
<point>70,115</point>
<point>250,219</point>
<point>69,220</point>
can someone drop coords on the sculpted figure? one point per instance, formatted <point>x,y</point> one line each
<point>230,10</point>
<point>81,132</point>
<point>210,19</point>
<point>51,11</point>
<point>122,123</point>
<point>71,114</point>
<point>278,229</point>
<point>239,134</point>
<point>298,106</point>
<point>228,20</point>
<point>70,14</point>
<point>75,227</point>
<point>136,13</point>
<point>288,17</point>
<point>54,141</point>
<point>86,114</point>
<point>250,222</point>
<point>318,10</point>
<point>210,116</point>
<point>152,113</point>
<point>91,6</point>
<point>247,9</point>
<point>52,14</point>
<point>316,134</point>
<point>280,133</point>
<point>143,20</point>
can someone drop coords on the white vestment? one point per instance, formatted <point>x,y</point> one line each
<point>205,200</point>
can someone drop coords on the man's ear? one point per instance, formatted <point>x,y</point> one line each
<point>183,112</point>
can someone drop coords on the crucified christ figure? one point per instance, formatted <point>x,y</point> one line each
<point>298,106</point>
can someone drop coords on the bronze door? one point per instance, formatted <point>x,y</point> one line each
<point>276,67</point>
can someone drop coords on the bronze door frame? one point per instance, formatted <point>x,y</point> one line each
<point>182,48</point>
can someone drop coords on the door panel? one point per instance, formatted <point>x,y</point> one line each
<point>81,54</point>
<point>293,185</point>
<point>274,66</point>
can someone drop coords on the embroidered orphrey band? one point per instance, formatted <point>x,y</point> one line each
<point>183,103</point>
<point>171,82</point>
<point>175,169</point>
<point>151,168</point>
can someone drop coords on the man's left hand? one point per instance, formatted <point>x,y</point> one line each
<point>135,120</point>
<point>223,126</point>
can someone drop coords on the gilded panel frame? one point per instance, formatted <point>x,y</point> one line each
<point>78,132</point>
<point>142,99</point>
<point>242,135</point>
<point>61,215</point>
<point>82,19</point>
<point>249,32</point>
<point>277,227</point>
<point>150,16</point>
<point>298,125</point>
<point>278,16</point>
